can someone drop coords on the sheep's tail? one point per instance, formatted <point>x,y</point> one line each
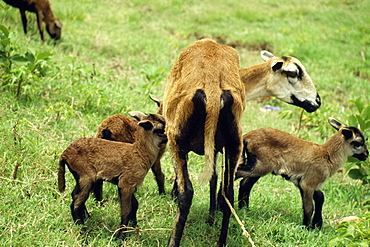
<point>61,172</point>
<point>212,113</point>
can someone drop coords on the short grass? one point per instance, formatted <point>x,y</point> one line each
<point>112,54</point>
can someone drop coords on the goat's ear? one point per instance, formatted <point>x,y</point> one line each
<point>276,65</point>
<point>138,115</point>
<point>266,55</point>
<point>347,133</point>
<point>335,123</point>
<point>146,124</point>
<point>156,100</point>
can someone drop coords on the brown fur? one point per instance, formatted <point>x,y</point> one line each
<point>122,129</point>
<point>204,82</point>
<point>308,165</point>
<point>43,12</point>
<point>92,160</point>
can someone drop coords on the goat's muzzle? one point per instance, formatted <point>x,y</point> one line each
<point>307,105</point>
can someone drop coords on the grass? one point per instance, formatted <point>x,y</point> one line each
<point>112,54</point>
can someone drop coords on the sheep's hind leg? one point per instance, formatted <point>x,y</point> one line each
<point>78,208</point>
<point>245,188</point>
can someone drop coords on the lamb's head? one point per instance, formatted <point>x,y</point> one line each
<point>290,82</point>
<point>152,123</point>
<point>54,28</point>
<point>355,140</point>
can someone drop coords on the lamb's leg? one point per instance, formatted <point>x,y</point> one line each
<point>159,176</point>
<point>125,193</point>
<point>212,192</point>
<point>318,197</point>
<point>98,190</point>
<point>245,188</point>
<point>79,196</point>
<point>308,207</point>
<point>24,20</point>
<point>184,194</point>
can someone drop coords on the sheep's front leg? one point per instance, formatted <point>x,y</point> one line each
<point>245,188</point>
<point>24,20</point>
<point>184,194</point>
<point>318,197</point>
<point>39,24</point>
<point>159,176</point>
<point>308,207</point>
<point>129,206</point>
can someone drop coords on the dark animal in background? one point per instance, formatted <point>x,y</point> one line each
<point>93,160</point>
<point>306,164</point>
<point>122,129</point>
<point>43,13</point>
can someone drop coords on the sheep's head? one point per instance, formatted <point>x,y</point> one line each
<point>354,137</point>
<point>291,83</point>
<point>153,123</point>
<point>54,28</point>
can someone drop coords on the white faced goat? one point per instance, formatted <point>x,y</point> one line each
<point>306,164</point>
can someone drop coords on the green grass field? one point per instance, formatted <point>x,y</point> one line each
<point>111,55</point>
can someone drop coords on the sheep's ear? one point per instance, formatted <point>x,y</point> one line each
<point>156,100</point>
<point>138,115</point>
<point>335,123</point>
<point>146,124</point>
<point>276,65</point>
<point>266,55</point>
<point>347,133</point>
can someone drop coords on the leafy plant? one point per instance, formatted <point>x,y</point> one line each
<point>20,68</point>
<point>351,234</point>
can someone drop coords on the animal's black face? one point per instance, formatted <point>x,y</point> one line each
<point>306,104</point>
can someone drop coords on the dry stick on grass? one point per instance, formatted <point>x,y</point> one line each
<point>245,232</point>
<point>133,229</point>
<point>15,172</point>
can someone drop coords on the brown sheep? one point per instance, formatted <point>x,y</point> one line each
<point>92,160</point>
<point>306,164</point>
<point>122,128</point>
<point>203,104</point>
<point>43,13</point>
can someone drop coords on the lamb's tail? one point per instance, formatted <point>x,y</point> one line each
<point>61,173</point>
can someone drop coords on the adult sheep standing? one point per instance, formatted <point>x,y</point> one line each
<point>43,13</point>
<point>203,104</point>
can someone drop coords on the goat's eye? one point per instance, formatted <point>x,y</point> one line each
<point>357,145</point>
<point>159,131</point>
<point>291,74</point>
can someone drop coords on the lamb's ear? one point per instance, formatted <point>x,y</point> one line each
<point>266,55</point>
<point>156,100</point>
<point>138,115</point>
<point>146,124</point>
<point>348,134</point>
<point>335,123</point>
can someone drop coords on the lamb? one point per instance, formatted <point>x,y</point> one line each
<point>43,13</point>
<point>306,164</point>
<point>203,104</point>
<point>92,160</point>
<point>122,128</point>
